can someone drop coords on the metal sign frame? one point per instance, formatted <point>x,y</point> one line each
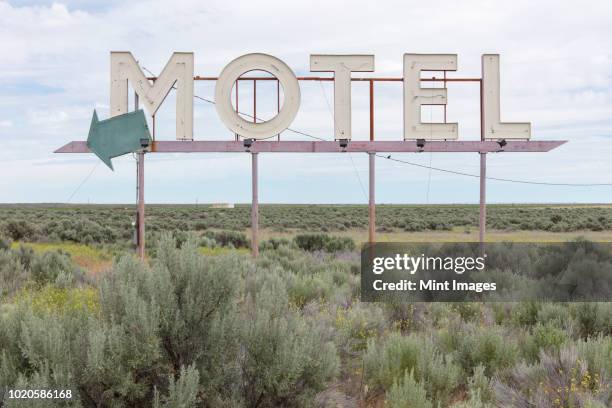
<point>370,147</point>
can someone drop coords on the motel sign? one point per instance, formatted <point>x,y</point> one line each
<point>179,72</point>
<point>117,135</point>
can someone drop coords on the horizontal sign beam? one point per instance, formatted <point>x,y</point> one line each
<point>285,146</point>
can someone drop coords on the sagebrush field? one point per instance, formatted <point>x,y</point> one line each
<point>202,324</point>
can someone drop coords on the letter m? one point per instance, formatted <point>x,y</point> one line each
<point>178,70</point>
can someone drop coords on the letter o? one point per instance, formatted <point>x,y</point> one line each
<point>223,96</point>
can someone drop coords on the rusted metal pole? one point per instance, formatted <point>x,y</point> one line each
<point>482,221</point>
<point>254,207</point>
<point>236,104</point>
<point>278,102</point>
<point>372,200</point>
<point>141,207</point>
<point>444,86</point>
<point>331,79</point>
<point>482,215</point>
<point>371,110</point>
<point>140,187</point>
<point>254,101</point>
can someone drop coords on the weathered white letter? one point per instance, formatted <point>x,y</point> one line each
<point>223,96</point>
<point>415,96</point>
<point>179,69</point>
<point>493,127</point>
<point>342,66</point>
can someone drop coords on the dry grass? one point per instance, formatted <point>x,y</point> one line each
<point>455,235</point>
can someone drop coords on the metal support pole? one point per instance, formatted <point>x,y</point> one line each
<point>371,110</point>
<point>278,102</point>
<point>482,216</point>
<point>254,101</point>
<point>236,104</point>
<point>140,235</point>
<point>482,221</point>
<point>141,207</point>
<point>372,201</point>
<point>444,86</point>
<point>254,208</point>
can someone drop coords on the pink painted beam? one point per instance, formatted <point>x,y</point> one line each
<point>286,146</point>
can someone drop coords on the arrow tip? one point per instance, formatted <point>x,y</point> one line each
<point>94,123</point>
<point>91,141</point>
<point>94,118</point>
<point>108,162</point>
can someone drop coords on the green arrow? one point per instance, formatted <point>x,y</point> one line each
<point>118,135</point>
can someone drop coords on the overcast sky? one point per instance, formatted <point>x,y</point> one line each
<point>556,72</point>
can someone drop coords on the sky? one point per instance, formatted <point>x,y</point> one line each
<point>556,72</point>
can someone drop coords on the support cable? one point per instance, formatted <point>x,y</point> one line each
<point>83,182</point>
<point>365,195</point>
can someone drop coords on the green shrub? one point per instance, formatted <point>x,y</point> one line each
<point>26,256</point>
<point>597,353</point>
<point>307,288</point>
<point>19,230</point>
<point>490,347</point>
<point>402,315</point>
<point>593,318</point>
<point>22,267</point>
<point>5,243</point>
<point>13,274</point>
<point>311,242</point>
<point>546,337</point>
<point>42,350</point>
<point>182,392</point>
<point>50,266</point>
<point>181,236</point>
<point>562,380</point>
<point>207,242</point>
<point>525,313</point>
<point>232,239</point>
<point>178,333</point>
<point>408,393</point>
<point>322,242</point>
<point>501,312</point>
<point>387,362</point>
<point>473,402</point>
<point>183,309</point>
<point>80,229</point>
<point>441,314</point>
<point>359,323</point>
<point>274,243</point>
<point>336,244</point>
<point>479,387</point>
<point>284,360</point>
<point>556,314</point>
<point>469,311</point>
